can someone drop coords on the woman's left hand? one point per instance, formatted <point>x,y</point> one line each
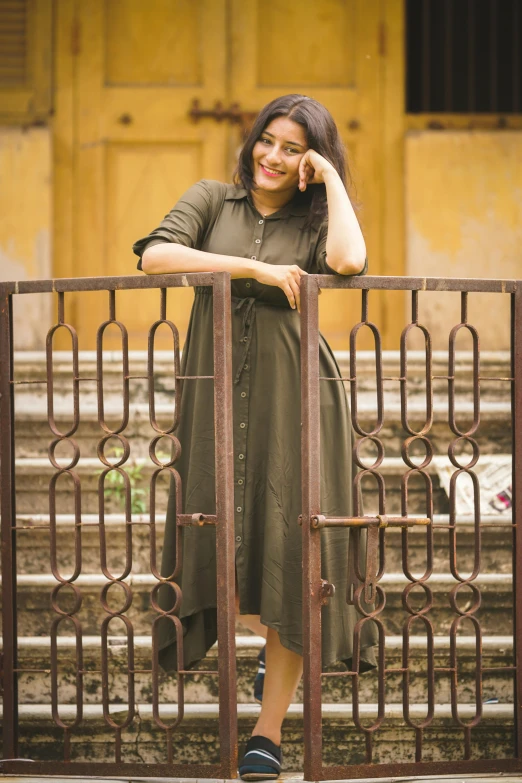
<point>313,168</point>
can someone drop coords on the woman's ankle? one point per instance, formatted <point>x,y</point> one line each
<point>269,733</point>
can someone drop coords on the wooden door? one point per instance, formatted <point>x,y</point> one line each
<point>329,50</point>
<point>126,147</point>
<point>136,70</point>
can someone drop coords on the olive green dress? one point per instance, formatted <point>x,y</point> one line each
<point>220,218</point>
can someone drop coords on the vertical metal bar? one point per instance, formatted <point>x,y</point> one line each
<point>225,552</point>
<point>310,478</point>
<point>8,523</point>
<point>516,424</point>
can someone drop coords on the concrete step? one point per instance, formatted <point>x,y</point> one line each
<point>33,543</point>
<point>35,614</point>
<point>34,684</point>
<point>33,476</point>
<point>31,365</point>
<point>197,737</point>
<point>33,434</point>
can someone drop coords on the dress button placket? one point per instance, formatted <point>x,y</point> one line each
<point>240,455</point>
<point>241,419</point>
<point>257,239</point>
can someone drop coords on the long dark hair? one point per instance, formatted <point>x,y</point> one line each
<point>322,136</point>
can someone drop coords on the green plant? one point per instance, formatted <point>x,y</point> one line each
<point>114,487</point>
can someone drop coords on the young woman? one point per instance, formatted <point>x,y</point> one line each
<point>287,215</point>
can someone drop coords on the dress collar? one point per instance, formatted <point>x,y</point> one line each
<point>238,192</point>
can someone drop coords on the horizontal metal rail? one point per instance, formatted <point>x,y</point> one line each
<point>367,582</point>
<point>366,589</point>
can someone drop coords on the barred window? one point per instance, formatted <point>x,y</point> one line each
<point>25,61</point>
<point>463,56</point>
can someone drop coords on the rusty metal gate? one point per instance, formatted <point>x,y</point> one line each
<point>369,588</point>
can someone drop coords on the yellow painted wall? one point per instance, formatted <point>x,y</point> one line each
<point>464,219</point>
<point>25,224</point>
<point>444,202</point>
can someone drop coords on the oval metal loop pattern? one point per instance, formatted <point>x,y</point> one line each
<point>408,459</point>
<point>125,376</point>
<point>468,610</point>
<point>77,526</point>
<point>429,528</point>
<point>405,599</point>
<point>404,380</point>
<point>453,526</point>
<point>64,586</point>
<point>380,452</point>
<point>152,527</point>
<point>476,381</point>
<point>100,450</point>
<point>455,671</point>
<point>127,597</point>
<point>158,720</point>
<point>78,650</point>
<point>175,450</point>
<point>128,523</point>
<point>378,377</point>
<point>50,381</point>
<point>422,723</point>
<point>453,457</point>
<point>176,370</point>
<point>357,487</point>
<point>360,604</point>
<point>106,703</point>
<point>381,666</point>
<point>52,456</point>
<point>164,586</point>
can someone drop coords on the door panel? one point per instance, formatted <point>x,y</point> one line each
<point>140,67</point>
<point>134,149</point>
<point>292,54</point>
<point>328,50</point>
<point>156,44</point>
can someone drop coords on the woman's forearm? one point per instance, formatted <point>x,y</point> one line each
<point>345,247</point>
<point>171,258</point>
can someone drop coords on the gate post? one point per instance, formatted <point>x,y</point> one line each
<point>8,523</point>
<point>225,552</point>
<point>516,425</point>
<point>311,486</point>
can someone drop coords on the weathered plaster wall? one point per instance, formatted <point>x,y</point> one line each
<point>25,224</point>
<point>464,219</point>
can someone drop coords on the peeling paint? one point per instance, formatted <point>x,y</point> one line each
<point>25,225</point>
<point>464,219</point>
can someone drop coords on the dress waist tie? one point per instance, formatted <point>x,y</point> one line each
<point>246,308</point>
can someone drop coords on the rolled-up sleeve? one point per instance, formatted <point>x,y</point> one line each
<point>320,266</point>
<point>185,224</point>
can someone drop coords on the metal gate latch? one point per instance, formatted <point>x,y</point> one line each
<point>326,591</point>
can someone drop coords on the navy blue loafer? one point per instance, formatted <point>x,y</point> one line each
<point>261,761</point>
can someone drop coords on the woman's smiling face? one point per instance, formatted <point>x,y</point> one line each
<point>277,154</point>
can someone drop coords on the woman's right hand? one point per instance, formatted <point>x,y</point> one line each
<point>286,277</point>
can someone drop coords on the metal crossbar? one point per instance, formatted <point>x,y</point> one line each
<point>366,588</point>
<point>367,591</point>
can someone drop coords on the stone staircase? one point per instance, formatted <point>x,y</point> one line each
<point>197,738</point>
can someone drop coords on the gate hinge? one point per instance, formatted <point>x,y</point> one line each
<point>326,591</point>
